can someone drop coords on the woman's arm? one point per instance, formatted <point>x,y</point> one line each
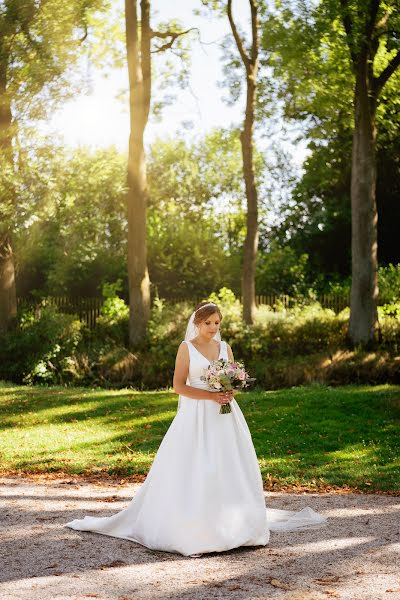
<point>230,353</point>
<point>180,376</point>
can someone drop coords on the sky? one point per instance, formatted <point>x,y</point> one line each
<point>100,119</point>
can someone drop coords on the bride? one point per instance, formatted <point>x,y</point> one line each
<point>204,491</point>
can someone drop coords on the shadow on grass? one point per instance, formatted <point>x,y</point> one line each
<point>341,435</point>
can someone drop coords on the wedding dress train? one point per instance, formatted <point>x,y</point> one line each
<point>204,491</point>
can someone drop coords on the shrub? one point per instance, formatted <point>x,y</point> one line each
<point>282,348</point>
<point>389,284</point>
<point>41,347</point>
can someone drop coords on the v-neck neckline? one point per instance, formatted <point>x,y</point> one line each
<point>201,354</point>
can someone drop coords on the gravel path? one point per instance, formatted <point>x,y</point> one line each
<point>357,556</point>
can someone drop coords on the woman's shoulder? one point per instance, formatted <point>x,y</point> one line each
<point>183,347</point>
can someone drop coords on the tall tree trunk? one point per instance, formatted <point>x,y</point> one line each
<point>364,287</point>
<point>364,30</point>
<point>8,296</point>
<point>138,55</point>
<point>251,241</point>
<point>250,62</point>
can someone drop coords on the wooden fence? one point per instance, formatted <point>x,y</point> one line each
<point>88,309</point>
<point>276,301</point>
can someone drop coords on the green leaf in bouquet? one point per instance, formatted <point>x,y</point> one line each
<point>224,380</point>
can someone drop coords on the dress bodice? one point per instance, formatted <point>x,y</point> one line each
<point>198,364</point>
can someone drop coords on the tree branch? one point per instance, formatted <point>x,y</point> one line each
<point>254,31</point>
<point>83,38</point>
<point>371,22</point>
<point>166,34</point>
<point>348,26</point>
<point>173,35</point>
<point>379,34</point>
<point>145,42</point>
<point>131,41</point>
<point>380,81</point>
<point>245,58</point>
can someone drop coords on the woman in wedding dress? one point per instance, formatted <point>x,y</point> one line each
<point>204,491</point>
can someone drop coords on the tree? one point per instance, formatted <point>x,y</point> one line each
<point>138,47</point>
<point>73,238</point>
<point>372,29</point>
<point>39,43</point>
<point>72,232</point>
<point>250,62</point>
<point>196,214</point>
<point>334,60</point>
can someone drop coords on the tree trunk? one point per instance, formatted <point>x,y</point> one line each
<point>138,55</point>
<point>364,288</point>
<point>250,62</point>
<point>8,296</point>
<point>251,241</point>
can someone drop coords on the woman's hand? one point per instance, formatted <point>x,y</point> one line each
<point>221,397</point>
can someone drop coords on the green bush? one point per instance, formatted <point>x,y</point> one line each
<point>282,271</point>
<point>291,332</point>
<point>41,347</point>
<point>283,347</point>
<point>389,284</point>
<point>113,321</point>
<point>389,321</point>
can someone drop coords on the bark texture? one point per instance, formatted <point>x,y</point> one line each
<point>139,69</point>
<point>363,37</point>
<point>8,296</point>
<point>250,61</point>
<point>364,243</point>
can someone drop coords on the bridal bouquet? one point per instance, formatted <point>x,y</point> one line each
<point>224,376</point>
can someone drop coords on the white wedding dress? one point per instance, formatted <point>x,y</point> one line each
<point>204,491</point>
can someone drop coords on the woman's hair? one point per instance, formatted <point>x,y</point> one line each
<point>205,310</point>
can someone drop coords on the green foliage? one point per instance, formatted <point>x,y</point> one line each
<point>40,45</point>
<point>282,271</point>
<point>39,49</point>
<point>389,283</point>
<point>74,235</point>
<point>225,298</point>
<point>390,310</point>
<point>41,348</point>
<point>283,347</point>
<point>71,234</point>
<point>186,256</point>
<point>335,287</point>
<point>313,80</point>
<point>113,308</point>
<point>311,62</point>
<point>112,323</point>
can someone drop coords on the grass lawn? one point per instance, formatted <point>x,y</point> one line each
<point>314,436</point>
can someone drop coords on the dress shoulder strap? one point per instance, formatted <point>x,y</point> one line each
<point>189,346</point>
<point>224,349</point>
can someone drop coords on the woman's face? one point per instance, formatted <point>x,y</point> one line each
<point>209,327</point>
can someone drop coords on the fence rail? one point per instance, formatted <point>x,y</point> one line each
<point>87,309</point>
